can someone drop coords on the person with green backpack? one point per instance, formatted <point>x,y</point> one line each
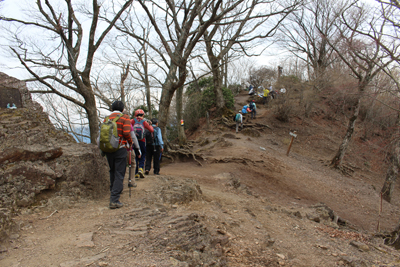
<point>239,120</point>
<point>114,140</point>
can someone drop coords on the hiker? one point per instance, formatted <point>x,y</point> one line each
<point>155,149</point>
<point>253,109</point>
<point>265,96</point>
<point>244,112</point>
<point>239,120</point>
<point>273,94</point>
<point>251,90</point>
<point>117,160</point>
<point>139,125</point>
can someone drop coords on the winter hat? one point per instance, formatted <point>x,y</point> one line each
<point>240,111</point>
<point>117,105</point>
<point>154,120</point>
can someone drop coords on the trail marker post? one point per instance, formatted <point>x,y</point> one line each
<point>294,135</point>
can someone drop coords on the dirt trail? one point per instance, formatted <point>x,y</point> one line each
<point>247,205</point>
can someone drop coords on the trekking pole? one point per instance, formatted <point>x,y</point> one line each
<point>130,185</point>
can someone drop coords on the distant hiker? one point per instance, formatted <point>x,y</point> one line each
<point>244,112</point>
<point>265,96</point>
<point>117,160</point>
<point>251,90</point>
<point>154,150</point>
<point>273,94</point>
<point>239,120</point>
<point>139,125</point>
<point>253,109</point>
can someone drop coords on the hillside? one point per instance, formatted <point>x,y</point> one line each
<point>245,204</point>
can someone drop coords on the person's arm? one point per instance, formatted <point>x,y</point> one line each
<point>148,127</point>
<point>160,140</point>
<point>135,142</point>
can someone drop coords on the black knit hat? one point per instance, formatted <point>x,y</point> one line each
<point>117,105</point>
<point>154,120</point>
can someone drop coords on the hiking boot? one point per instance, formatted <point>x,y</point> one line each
<point>137,176</point>
<point>141,175</point>
<point>146,172</point>
<point>116,205</point>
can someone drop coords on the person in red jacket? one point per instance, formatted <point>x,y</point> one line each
<point>137,123</point>
<point>117,160</point>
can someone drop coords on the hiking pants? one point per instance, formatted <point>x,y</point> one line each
<point>140,161</point>
<point>154,154</point>
<point>117,164</point>
<point>237,126</point>
<point>253,114</point>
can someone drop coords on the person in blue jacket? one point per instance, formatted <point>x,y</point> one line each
<point>244,112</point>
<point>153,151</point>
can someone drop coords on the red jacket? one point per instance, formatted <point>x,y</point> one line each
<point>145,125</point>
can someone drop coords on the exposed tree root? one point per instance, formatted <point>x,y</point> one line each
<point>242,160</point>
<point>255,125</point>
<point>183,151</point>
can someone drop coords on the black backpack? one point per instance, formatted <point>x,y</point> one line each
<point>251,106</point>
<point>149,137</point>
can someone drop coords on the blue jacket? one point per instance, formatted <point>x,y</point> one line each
<point>158,137</point>
<point>244,109</point>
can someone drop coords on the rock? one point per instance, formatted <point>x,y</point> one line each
<point>43,159</point>
<point>85,240</point>
<point>360,246</point>
<point>281,256</point>
<point>83,261</point>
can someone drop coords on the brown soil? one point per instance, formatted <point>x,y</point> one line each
<point>254,207</point>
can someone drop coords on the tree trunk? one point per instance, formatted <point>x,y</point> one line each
<point>393,169</point>
<point>168,90</point>
<point>93,119</point>
<point>179,109</point>
<point>337,160</point>
<point>148,99</point>
<point>217,77</point>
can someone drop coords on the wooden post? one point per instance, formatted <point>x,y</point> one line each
<point>208,120</point>
<point>294,135</point>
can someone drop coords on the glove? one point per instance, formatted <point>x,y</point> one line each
<point>137,152</point>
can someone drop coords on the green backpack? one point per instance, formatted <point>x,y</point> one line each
<point>109,139</point>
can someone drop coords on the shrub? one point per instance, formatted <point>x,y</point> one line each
<point>201,98</point>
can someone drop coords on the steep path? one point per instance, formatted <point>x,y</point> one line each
<point>248,205</point>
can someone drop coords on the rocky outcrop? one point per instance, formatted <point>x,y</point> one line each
<point>38,162</point>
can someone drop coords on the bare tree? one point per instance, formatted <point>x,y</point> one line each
<point>362,55</point>
<point>302,34</point>
<point>179,25</point>
<point>238,29</point>
<point>61,68</point>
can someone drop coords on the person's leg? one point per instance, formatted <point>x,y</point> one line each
<point>142,158</point>
<point>119,174</point>
<point>149,155</point>
<point>156,165</point>
<point>237,126</point>
<point>111,164</point>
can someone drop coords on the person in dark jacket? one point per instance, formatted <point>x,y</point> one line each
<point>154,150</point>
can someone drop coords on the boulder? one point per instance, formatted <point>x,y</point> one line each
<point>38,161</point>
